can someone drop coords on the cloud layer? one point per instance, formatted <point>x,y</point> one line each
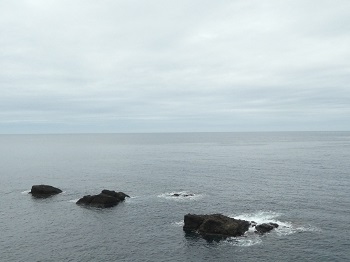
<point>169,66</point>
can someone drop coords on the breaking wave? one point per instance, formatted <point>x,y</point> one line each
<point>243,241</point>
<point>284,228</point>
<point>178,224</point>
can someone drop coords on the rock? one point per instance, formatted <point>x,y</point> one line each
<point>274,224</point>
<point>119,195</point>
<point>44,191</point>
<point>181,195</point>
<point>187,195</point>
<point>106,198</point>
<point>215,225</point>
<point>265,227</point>
<point>253,223</point>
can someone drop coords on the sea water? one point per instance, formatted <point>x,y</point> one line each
<point>299,180</point>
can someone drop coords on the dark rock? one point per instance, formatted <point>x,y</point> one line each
<point>106,198</point>
<point>265,227</point>
<point>215,225</point>
<point>187,195</point>
<point>119,195</point>
<point>274,225</point>
<point>253,223</point>
<point>182,195</point>
<point>44,191</point>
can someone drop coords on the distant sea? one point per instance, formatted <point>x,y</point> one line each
<point>300,180</point>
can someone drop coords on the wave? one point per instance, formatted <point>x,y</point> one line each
<point>243,241</point>
<point>178,224</point>
<point>134,199</point>
<point>73,200</point>
<point>284,228</point>
<point>259,217</point>
<point>28,191</point>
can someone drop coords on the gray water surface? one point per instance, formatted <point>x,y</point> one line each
<point>300,180</point>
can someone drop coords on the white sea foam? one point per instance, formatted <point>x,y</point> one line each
<point>178,224</point>
<point>73,200</point>
<point>288,228</point>
<point>259,217</point>
<point>284,227</point>
<point>182,196</point>
<point>244,241</point>
<point>25,192</point>
<point>133,199</point>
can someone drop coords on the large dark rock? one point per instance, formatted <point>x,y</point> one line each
<point>215,225</point>
<point>265,227</point>
<point>44,191</point>
<point>106,198</point>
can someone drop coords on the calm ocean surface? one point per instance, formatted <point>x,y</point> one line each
<point>300,180</point>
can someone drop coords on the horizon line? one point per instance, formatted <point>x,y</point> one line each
<point>177,132</point>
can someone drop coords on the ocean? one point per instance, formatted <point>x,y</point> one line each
<point>300,180</point>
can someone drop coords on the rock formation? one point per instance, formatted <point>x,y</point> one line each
<point>106,198</point>
<point>215,225</point>
<point>44,191</point>
<point>265,227</point>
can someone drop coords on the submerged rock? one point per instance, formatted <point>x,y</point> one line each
<point>44,191</point>
<point>265,227</point>
<point>182,195</point>
<point>215,225</point>
<point>105,199</point>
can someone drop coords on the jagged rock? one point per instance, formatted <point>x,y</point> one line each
<point>274,224</point>
<point>44,191</point>
<point>106,198</point>
<point>119,195</point>
<point>215,225</point>
<point>265,227</point>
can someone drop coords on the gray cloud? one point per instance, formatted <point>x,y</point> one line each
<point>154,66</point>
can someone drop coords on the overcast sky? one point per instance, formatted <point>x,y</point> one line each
<point>174,66</point>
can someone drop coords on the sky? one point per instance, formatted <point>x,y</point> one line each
<point>111,66</point>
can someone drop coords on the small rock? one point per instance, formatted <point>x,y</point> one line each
<point>265,227</point>
<point>105,199</point>
<point>42,191</point>
<point>181,194</point>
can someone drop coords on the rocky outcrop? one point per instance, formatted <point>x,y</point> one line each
<point>44,191</point>
<point>215,225</point>
<point>265,227</point>
<point>105,199</point>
